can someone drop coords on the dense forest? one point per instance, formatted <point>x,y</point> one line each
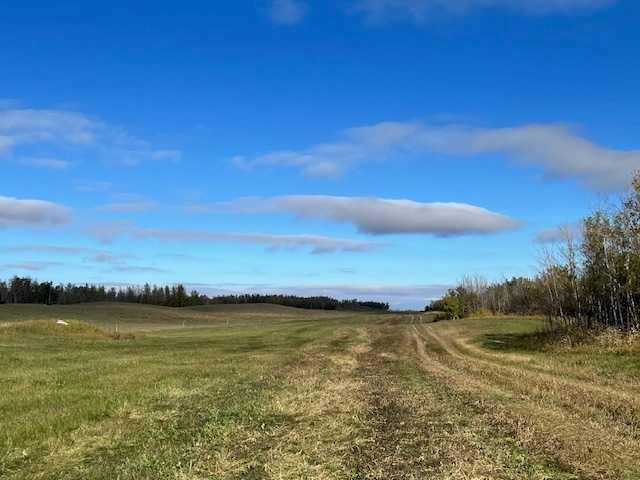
<point>591,278</point>
<point>26,290</point>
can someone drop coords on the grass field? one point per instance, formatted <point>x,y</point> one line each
<point>268,392</point>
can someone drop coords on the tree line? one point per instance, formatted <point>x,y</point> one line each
<point>590,278</point>
<point>27,290</point>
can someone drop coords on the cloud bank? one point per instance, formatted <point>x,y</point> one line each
<point>557,149</point>
<point>17,212</point>
<point>380,215</point>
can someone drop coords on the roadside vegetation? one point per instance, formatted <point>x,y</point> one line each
<point>591,280</point>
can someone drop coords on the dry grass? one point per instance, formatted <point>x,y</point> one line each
<point>578,339</point>
<point>590,426</point>
<point>312,395</point>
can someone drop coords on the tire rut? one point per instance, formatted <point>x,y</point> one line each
<point>562,431</point>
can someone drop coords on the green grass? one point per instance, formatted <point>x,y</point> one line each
<point>608,353</point>
<point>78,403</point>
<point>269,392</point>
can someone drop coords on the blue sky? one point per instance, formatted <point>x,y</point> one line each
<point>361,148</point>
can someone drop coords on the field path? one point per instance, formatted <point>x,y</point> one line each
<point>582,425</point>
<point>418,427</point>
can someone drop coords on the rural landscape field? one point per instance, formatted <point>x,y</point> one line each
<point>272,392</point>
<point>320,240</point>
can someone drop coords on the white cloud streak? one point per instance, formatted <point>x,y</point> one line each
<point>91,255</point>
<point>44,162</point>
<point>317,244</point>
<point>92,187</point>
<point>49,249</point>
<point>129,207</point>
<point>115,261</point>
<point>381,215</point>
<point>559,233</point>
<point>555,148</point>
<point>30,266</point>
<point>138,269</point>
<point>287,12</point>
<point>18,212</point>
<point>22,128</point>
<point>419,11</point>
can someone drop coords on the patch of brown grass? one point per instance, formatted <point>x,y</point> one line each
<point>580,339</point>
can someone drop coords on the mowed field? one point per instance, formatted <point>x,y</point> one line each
<point>270,392</point>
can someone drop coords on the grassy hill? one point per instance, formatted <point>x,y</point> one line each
<point>135,317</point>
<point>271,392</point>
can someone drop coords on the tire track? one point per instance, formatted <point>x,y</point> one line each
<point>618,406</point>
<point>535,416</point>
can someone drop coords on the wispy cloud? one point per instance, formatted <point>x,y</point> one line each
<point>347,270</point>
<point>419,11</point>
<point>138,269</point>
<point>91,255</point>
<point>317,244</point>
<point>559,233</point>
<point>92,187</point>
<point>129,207</point>
<point>30,266</point>
<point>380,215</point>
<point>287,12</point>
<point>109,257</point>
<point>557,149</point>
<point>44,162</point>
<point>109,231</point>
<point>19,212</point>
<point>48,249</point>
<point>20,128</point>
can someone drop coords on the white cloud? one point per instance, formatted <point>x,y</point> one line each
<point>91,187</point>
<point>109,258</point>
<point>559,233</point>
<point>108,232</point>
<point>317,244</point>
<point>92,255</point>
<point>129,207</point>
<point>168,155</point>
<point>44,162</point>
<point>33,126</point>
<point>558,149</point>
<point>420,10</point>
<point>49,249</point>
<point>382,215</point>
<point>23,128</point>
<point>30,266</point>
<point>138,269</point>
<point>17,212</point>
<point>287,12</point>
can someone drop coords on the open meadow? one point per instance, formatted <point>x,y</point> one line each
<point>271,392</point>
